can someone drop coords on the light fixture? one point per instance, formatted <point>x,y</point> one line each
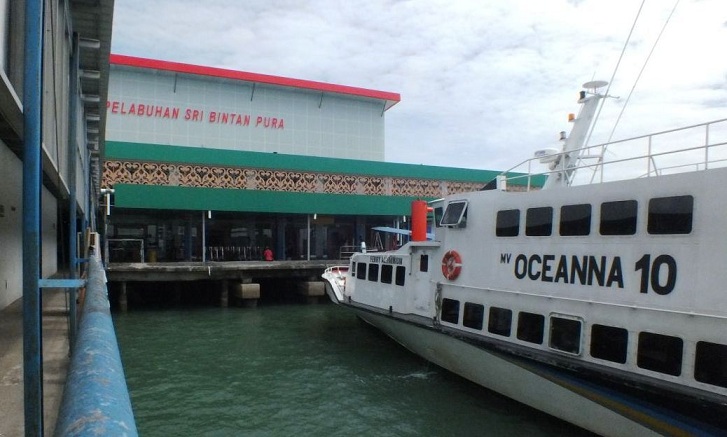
<point>315,216</point>
<point>90,98</point>
<point>90,74</point>
<point>89,43</point>
<point>209,214</point>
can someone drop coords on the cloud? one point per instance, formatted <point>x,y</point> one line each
<point>483,83</point>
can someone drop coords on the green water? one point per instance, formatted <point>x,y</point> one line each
<point>298,370</point>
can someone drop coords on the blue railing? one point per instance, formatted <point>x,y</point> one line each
<point>96,400</point>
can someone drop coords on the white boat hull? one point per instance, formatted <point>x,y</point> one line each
<point>508,377</point>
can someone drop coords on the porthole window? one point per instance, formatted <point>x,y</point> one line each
<point>473,315</point>
<point>539,221</point>
<point>373,272</point>
<point>530,327</point>
<point>660,353</point>
<point>450,311</point>
<point>508,223</point>
<point>500,321</point>
<point>575,220</point>
<point>618,218</point>
<point>609,343</point>
<point>670,215</point>
<point>387,273</point>
<point>565,334</point>
<point>400,275</point>
<point>710,363</point>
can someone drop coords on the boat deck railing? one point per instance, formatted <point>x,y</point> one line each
<point>691,148</point>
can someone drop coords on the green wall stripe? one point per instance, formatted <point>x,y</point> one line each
<point>219,199</point>
<point>198,155</point>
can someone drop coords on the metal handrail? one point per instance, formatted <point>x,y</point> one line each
<point>706,159</point>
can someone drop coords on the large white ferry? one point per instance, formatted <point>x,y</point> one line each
<point>600,299</point>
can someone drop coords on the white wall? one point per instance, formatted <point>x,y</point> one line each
<point>11,241</point>
<point>11,229</point>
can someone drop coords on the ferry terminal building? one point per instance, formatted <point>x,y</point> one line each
<point>209,164</point>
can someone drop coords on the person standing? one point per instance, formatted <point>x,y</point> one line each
<point>268,254</point>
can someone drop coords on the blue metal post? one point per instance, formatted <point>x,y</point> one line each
<point>32,119</point>
<point>72,164</point>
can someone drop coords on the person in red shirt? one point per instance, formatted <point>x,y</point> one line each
<point>268,254</point>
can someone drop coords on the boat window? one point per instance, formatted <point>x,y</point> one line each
<point>710,363</point>
<point>670,215</point>
<point>609,343</point>
<point>530,327</point>
<point>618,218</point>
<point>575,219</point>
<point>500,321</point>
<point>565,334</point>
<point>450,311</point>
<point>539,221</point>
<point>438,213</point>
<point>353,269</point>
<point>508,223</point>
<point>400,275</point>
<point>387,271</point>
<point>455,214</point>
<point>424,263</point>
<point>373,272</point>
<point>660,353</point>
<point>473,315</point>
<point>361,271</point>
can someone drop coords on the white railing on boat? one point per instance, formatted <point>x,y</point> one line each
<point>692,148</point>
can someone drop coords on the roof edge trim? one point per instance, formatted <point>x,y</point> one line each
<point>132,61</point>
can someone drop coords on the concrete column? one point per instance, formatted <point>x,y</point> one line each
<point>177,293</point>
<point>280,238</point>
<point>123,299</point>
<point>223,293</point>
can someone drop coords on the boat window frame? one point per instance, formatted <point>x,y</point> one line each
<point>400,275</point>
<point>557,342</point>
<point>386,273</point>
<point>461,220</point>
<point>680,223</point>
<point>510,229</point>
<point>651,344</point>
<point>372,273</point>
<point>710,359</point>
<point>525,322</point>
<point>446,317</point>
<point>572,223</point>
<point>609,343</point>
<point>473,316</point>
<point>539,229</point>
<point>499,321</point>
<point>624,225</point>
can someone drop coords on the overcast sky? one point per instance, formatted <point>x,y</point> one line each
<point>483,83</point>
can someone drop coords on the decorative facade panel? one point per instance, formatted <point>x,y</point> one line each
<point>190,175</point>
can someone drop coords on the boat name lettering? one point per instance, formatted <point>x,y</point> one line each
<point>659,275</point>
<point>387,259</point>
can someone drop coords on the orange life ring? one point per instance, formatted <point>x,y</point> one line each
<point>451,265</point>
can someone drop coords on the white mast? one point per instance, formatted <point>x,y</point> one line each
<point>565,162</point>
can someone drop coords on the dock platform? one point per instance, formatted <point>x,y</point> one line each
<point>238,280</point>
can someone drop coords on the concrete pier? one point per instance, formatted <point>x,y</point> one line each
<point>312,290</point>
<point>237,280</point>
<point>247,293</point>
